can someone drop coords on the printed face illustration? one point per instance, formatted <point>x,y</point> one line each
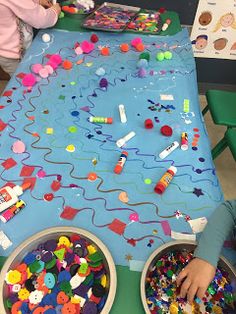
<point>220,43</point>
<point>227,20</point>
<point>205,18</point>
<point>201,43</point>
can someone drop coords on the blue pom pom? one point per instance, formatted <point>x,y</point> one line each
<point>100,72</point>
<point>142,63</point>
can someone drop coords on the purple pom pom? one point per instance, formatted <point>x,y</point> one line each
<point>142,72</point>
<point>103,83</point>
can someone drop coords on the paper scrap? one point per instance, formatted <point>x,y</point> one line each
<point>26,171</point>
<point>135,265</point>
<point>117,226</point>
<point>4,241</point>
<point>182,236</point>
<point>198,225</point>
<point>167,97</point>
<point>166,227</point>
<point>9,163</point>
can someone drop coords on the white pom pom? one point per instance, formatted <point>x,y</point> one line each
<point>46,38</point>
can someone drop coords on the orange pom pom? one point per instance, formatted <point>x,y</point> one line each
<point>105,51</point>
<point>67,64</point>
<point>124,47</point>
<point>140,47</point>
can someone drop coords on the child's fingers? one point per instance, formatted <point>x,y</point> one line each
<point>184,288</point>
<point>180,277</point>
<point>192,292</point>
<point>201,292</point>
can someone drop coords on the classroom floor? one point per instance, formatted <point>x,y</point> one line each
<point>225,164</point>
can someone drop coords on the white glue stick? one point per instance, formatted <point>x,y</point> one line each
<point>125,139</point>
<point>123,117</point>
<point>54,2</point>
<point>168,150</point>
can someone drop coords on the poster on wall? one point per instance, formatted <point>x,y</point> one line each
<point>214,30</point>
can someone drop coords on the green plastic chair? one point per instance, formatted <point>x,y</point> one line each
<point>222,106</point>
<point>229,140</point>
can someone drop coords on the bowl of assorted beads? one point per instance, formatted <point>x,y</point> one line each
<point>159,291</point>
<point>59,270</point>
<point>77,8</point>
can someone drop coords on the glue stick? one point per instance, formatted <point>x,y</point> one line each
<point>12,211</point>
<point>120,164</point>
<point>184,141</point>
<point>101,120</point>
<point>9,196</point>
<point>165,180</point>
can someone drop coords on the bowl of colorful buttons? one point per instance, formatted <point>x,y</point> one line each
<point>77,8</point>
<point>160,294</point>
<point>63,270</point>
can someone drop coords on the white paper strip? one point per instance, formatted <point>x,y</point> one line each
<point>182,236</point>
<point>4,241</point>
<point>198,225</point>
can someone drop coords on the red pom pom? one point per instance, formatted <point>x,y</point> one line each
<point>162,10</point>
<point>94,38</point>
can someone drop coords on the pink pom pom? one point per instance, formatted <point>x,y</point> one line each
<point>49,68</point>
<point>52,64</point>
<point>56,59</point>
<point>136,41</point>
<point>43,73</point>
<point>36,68</point>
<point>29,80</point>
<point>18,147</point>
<point>87,46</point>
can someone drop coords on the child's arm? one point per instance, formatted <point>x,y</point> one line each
<point>220,224</point>
<point>198,274</point>
<point>34,14</point>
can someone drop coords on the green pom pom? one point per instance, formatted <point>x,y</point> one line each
<point>62,14</point>
<point>144,55</point>
<point>160,56</point>
<point>168,55</point>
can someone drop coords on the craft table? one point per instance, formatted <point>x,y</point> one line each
<point>51,118</point>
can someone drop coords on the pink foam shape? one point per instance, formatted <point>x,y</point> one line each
<point>87,46</point>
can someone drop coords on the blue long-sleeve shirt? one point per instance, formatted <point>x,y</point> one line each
<point>219,226</point>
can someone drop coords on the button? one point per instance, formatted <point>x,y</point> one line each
<point>23,294</point>
<point>62,298</point>
<point>36,297</point>
<point>13,276</point>
<point>68,308</point>
<point>98,290</point>
<point>16,288</point>
<point>64,241</point>
<point>49,280</point>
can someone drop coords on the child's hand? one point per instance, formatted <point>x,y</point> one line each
<point>197,276</point>
<point>57,8</point>
<point>45,3</point>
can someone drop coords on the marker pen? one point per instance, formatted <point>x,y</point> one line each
<point>123,117</point>
<point>168,150</point>
<point>12,211</point>
<point>125,139</point>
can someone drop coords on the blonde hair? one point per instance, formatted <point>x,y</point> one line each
<point>219,25</point>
